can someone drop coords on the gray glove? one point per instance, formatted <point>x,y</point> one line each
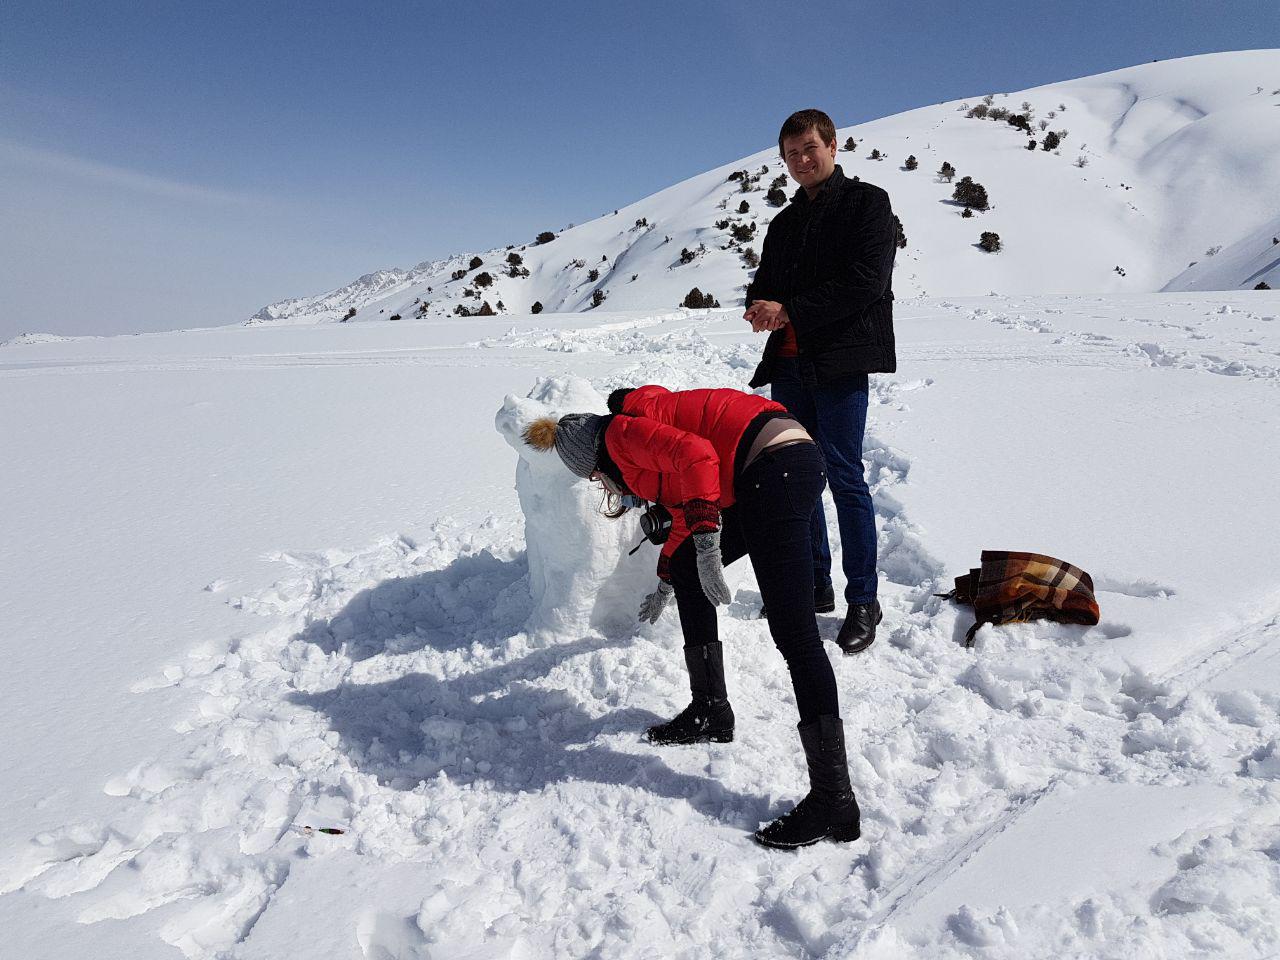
<point>652,606</point>
<point>710,569</point>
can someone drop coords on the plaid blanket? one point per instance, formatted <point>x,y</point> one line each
<point>1013,587</point>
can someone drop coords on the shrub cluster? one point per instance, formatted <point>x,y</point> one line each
<point>537,307</point>
<point>475,263</point>
<point>989,241</point>
<point>695,299</point>
<point>545,237</point>
<point>946,172</point>
<point>850,145</point>
<point>971,194</point>
<point>743,232</point>
<point>911,163</point>
<point>776,197</point>
<point>484,279</point>
<point>747,179</point>
<point>598,297</point>
<point>350,313</point>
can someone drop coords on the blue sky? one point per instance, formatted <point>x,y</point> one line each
<point>166,164</point>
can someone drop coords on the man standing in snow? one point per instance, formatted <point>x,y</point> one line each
<point>824,291</point>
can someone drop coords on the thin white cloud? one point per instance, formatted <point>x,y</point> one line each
<point>120,177</point>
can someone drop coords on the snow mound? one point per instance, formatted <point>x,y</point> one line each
<point>581,578</point>
<point>1243,265</point>
<point>27,339</point>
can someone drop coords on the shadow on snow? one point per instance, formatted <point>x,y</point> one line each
<point>494,725</point>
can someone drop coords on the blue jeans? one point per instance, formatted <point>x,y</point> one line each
<point>835,414</point>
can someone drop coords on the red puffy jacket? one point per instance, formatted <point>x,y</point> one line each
<point>677,449</point>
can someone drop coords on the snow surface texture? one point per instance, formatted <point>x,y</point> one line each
<point>185,720</point>
<point>1177,158</point>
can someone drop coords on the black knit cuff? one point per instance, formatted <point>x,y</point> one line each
<point>664,568</point>
<point>701,516</point>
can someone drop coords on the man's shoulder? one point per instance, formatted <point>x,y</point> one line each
<point>862,191</point>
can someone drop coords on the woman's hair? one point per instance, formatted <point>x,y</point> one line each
<point>611,504</point>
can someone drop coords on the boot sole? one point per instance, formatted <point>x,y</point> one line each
<point>845,834</point>
<point>701,738</point>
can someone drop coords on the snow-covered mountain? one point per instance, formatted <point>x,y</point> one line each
<point>1159,165</point>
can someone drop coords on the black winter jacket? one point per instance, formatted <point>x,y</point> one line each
<point>829,261</point>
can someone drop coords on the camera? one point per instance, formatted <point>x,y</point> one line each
<point>655,524</point>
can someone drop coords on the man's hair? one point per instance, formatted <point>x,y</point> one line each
<point>802,121</point>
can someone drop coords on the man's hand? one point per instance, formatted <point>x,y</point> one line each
<point>766,315</point>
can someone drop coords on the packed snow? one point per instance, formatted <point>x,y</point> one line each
<point>306,654</point>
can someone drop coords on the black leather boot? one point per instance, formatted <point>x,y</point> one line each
<point>709,717</point>
<point>859,628</point>
<point>830,810</point>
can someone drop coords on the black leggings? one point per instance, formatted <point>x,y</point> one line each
<point>770,522</point>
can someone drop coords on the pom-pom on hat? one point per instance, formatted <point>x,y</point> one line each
<point>575,436</point>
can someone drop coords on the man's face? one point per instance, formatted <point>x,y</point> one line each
<point>809,160</point>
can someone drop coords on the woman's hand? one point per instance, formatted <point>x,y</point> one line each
<point>652,606</point>
<point>710,567</point>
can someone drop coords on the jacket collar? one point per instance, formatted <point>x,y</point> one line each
<point>825,191</point>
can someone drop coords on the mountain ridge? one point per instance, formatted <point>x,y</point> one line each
<point>1160,164</point>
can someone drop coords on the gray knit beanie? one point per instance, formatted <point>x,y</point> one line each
<point>578,439</point>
